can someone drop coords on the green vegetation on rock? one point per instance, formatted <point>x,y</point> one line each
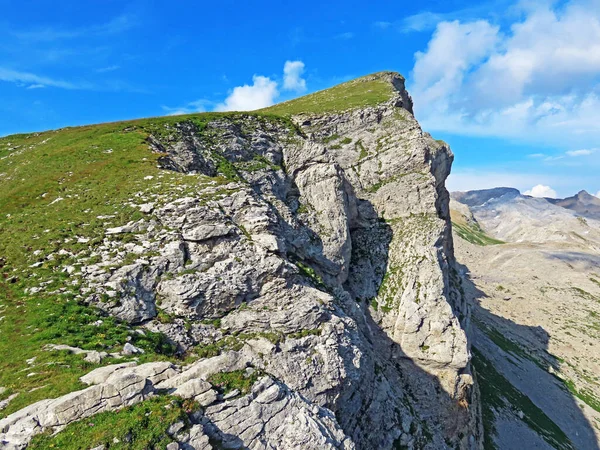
<point>474,234</point>
<point>237,379</point>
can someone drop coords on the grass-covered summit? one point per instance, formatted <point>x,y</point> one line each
<point>362,92</point>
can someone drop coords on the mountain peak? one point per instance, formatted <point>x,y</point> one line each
<point>583,194</point>
<point>366,91</point>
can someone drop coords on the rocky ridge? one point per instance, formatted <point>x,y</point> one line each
<point>315,251</point>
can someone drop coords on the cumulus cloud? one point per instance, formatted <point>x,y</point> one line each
<point>537,81</point>
<point>260,94</point>
<point>541,191</point>
<point>597,194</point>
<point>264,91</point>
<point>292,76</point>
<point>439,72</point>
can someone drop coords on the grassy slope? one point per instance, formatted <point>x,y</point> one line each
<point>55,187</point>
<point>471,232</point>
<point>361,92</point>
<point>474,235</point>
<point>96,171</point>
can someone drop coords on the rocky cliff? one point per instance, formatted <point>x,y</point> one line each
<point>299,262</point>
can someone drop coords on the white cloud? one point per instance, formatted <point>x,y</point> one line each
<point>116,25</point>
<point>35,86</point>
<point>292,76</point>
<point>260,94</point>
<point>264,91</point>
<point>541,191</point>
<point>538,82</point>
<point>583,152</point>
<point>196,106</point>
<point>454,49</point>
<point>31,79</point>
<point>597,194</point>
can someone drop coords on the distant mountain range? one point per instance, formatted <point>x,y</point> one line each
<point>506,214</point>
<point>583,203</point>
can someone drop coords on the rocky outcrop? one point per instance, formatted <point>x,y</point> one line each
<point>319,251</point>
<point>113,387</point>
<point>269,416</point>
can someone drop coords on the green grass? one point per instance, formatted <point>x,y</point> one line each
<point>508,345</point>
<point>584,395</point>
<point>585,294</point>
<point>237,379</point>
<point>498,393</point>
<point>474,234</point>
<point>328,139</point>
<point>362,150</point>
<point>139,427</point>
<point>367,91</point>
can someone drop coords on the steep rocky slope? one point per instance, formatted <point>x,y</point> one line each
<point>288,273</point>
<point>536,298</point>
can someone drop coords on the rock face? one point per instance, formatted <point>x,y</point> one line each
<point>320,252</point>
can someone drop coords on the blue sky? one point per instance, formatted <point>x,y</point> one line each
<point>514,87</point>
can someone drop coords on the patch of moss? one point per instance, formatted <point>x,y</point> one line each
<point>328,139</point>
<point>362,150</point>
<point>237,379</point>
